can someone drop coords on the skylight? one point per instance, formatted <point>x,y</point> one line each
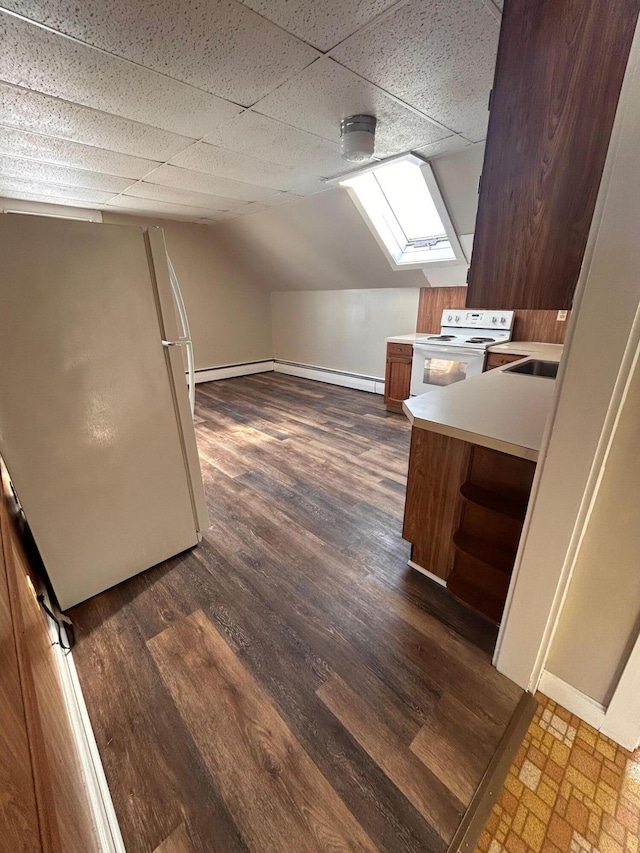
<point>402,205</point>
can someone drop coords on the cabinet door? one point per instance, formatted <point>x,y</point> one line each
<point>558,76</point>
<point>495,359</point>
<point>397,382</point>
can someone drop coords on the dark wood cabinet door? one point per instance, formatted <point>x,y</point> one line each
<point>397,381</point>
<point>558,76</point>
<point>397,378</point>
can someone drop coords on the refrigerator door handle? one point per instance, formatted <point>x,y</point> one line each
<point>185,338</point>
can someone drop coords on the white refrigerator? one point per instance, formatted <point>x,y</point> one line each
<point>95,423</point>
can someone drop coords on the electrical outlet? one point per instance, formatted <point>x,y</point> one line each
<point>561,316</point>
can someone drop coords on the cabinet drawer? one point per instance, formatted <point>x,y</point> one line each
<point>400,349</point>
<point>495,359</point>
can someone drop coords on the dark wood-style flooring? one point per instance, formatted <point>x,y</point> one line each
<point>290,685</point>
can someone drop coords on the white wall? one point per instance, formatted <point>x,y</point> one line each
<point>341,329</point>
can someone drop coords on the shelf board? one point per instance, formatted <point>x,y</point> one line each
<point>494,501</point>
<point>485,552</point>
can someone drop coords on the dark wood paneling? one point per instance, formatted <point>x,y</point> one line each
<point>433,301</point>
<point>213,666</point>
<point>528,325</point>
<point>558,75</point>
<point>18,807</point>
<point>56,782</point>
<point>540,326</point>
<point>438,466</point>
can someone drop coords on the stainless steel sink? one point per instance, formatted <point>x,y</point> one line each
<point>535,367</point>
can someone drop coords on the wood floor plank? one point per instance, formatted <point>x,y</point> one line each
<point>177,842</point>
<point>421,787</point>
<point>303,578</point>
<point>455,744</point>
<point>279,798</point>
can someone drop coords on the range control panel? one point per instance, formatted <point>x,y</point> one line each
<point>462,318</point>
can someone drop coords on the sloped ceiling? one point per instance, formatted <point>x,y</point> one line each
<point>206,110</point>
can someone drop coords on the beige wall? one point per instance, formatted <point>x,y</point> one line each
<point>317,243</point>
<point>229,312</point>
<point>600,619</point>
<point>341,329</point>
<point>335,296</point>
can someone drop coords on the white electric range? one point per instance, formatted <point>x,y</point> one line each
<point>458,352</point>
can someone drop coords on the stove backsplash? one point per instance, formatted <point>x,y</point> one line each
<point>528,325</point>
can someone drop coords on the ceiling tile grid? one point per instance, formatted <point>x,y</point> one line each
<point>225,163</point>
<point>259,136</point>
<point>25,109</point>
<point>221,47</point>
<point>322,24</point>
<point>38,59</point>
<point>51,173</point>
<point>187,179</point>
<point>224,107</point>
<point>62,152</point>
<point>174,195</point>
<point>320,96</point>
<point>26,188</point>
<point>438,56</point>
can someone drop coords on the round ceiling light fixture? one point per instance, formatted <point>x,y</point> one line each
<point>357,137</point>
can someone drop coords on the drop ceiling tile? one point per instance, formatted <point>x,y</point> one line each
<point>37,191</point>
<point>14,195</point>
<point>38,59</point>
<point>143,189</point>
<point>324,93</point>
<point>281,198</point>
<point>32,146</point>
<point>32,111</point>
<point>220,46</point>
<point>267,139</point>
<point>50,173</point>
<point>156,208</point>
<point>437,55</point>
<point>185,179</point>
<point>322,24</point>
<point>444,146</point>
<point>223,163</point>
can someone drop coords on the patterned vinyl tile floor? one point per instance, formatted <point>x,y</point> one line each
<point>569,790</point>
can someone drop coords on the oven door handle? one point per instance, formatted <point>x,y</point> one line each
<point>445,351</point>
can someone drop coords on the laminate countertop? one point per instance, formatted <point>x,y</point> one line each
<point>500,410</point>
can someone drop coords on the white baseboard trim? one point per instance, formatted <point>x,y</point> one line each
<point>572,699</point>
<point>211,374</point>
<point>332,377</point>
<point>104,817</point>
<point>426,573</point>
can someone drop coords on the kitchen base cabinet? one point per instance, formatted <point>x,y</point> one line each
<point>397,379</point>
<point>464,513</point>
<point>496,359</point>
<point>494,499</point>
<point>438,466</point>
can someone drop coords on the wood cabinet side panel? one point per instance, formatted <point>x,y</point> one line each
<point>438,466</point>
<point>433,301</point>
<point>558,76</point>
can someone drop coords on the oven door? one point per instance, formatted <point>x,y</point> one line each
<point>436,367</point>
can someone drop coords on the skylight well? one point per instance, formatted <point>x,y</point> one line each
<point>404,209</point>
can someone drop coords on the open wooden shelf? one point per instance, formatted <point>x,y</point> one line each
<point>494,501</point>
<point>485,552</point>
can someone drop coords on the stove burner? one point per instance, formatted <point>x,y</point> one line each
<point>441,338</point>
<point>480,340</point>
